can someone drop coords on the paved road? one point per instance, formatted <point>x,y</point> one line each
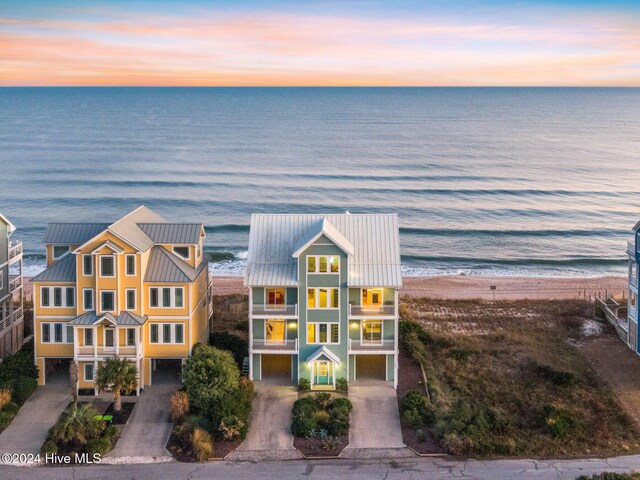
<point>28,430</point>
<point>399,469</point>
<point>148,429</point>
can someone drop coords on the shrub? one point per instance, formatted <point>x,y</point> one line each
<point>178,406</point>
<point>49,447</point>
<point>5,397</point>
<point>5,419</point>
<point>99,446</point>
<point>306,406</point>
<point>238,346</point>
<point>22,388</point>
<point>342,404</point>
<point>342,385</point>
<point>416,411</point>
<point>11,408</point>
<point>303,426</point>
<point>322,417</point>
<point>339,425</point>
<point>323,399</point>
<point>202,444</point>
<point>110,432</point>
<point>231,427</point>
<point>18,365</point>
<point>304,384</point>
<point>412,418</point>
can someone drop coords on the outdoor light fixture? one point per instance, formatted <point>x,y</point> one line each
<point>293,324</point>
<point>354,324</point>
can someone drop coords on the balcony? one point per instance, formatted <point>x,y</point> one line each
<point>275,311</point>
<point>15,252</point>
<point>15,283</point>
<point>372,310</point>
<point>271,346</point>
<point>86,352</point>
<point>359,346</point>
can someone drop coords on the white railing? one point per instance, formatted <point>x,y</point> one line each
<point>16,315</point>
<point>15,283</point>
<point>371,310</point>
<point>371,346</point>
<point>275,310</point>
<point>275,346</point>
<point>15,249</point>
<point>90,351</point>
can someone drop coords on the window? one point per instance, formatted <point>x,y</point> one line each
<point>62,333</point>
<point>323,298</point>
<point>131,298</point>
<point>179,333</point>
<point>179,303</point>
<point>275,297</point>
<point>154,333</point>
<point>275,331</point>
<point>166,297</point>
<point>182,251</point>
<point>153,297</point>
<point>88,372</point>
<point>107,301</point>
<point>45,300</point>
<point>88,337</point>
<point>131,337</point>
<point>70,296</point>
<point>59,250</point>
<point>108,337</point>
<point>57,296</point>
<point>87,265</point>
<point>87,298</point>
<point>166,333</point>
<point>372,332</point>
<point>372,297</point>
<point>130,263</point>
<point>107,266</point>
<point>172,297</point>
<point>323,333</point>
<point>323,264</point>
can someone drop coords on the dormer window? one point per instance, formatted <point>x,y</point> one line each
<point>323,264</point>
<point>59,250</point>
<point>182,252</point>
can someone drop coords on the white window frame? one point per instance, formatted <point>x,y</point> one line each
<point>274,306</point>
<point>84,337</point>
<point>188,247</point>
<point>73,297</point>
<point>113,259</point>
<point>115,301</point>
<point>317,270</point>
<point>172,333</point>
<point>276,341</point>
<point>368,342</point>
<point>317,333</point>
<point>42,305</point>
<point>126,257</point>
<point>90,274</point>
<point>126,298</point>
<point>151,326</point>
<point>53,251</point>
<point>93,373</point>
<point>104,337</point>
<point>135,337</point>
<point>52,333</point>
<point>93,299</point>
<point>172,297</point>
<point>63,296</point>
<point>329,298</point>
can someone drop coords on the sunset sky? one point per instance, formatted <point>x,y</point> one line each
<point>162,42</point>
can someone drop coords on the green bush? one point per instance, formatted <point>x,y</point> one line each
<point>339,425</point>
<point>231,427</point>
<point>303,426</point>
<point>323,399</point>
<point>98,445</point>
<point>49,447</point>
<point>610,476</point>
<point>5,419</point>
<point>238,346</point>
<point>110,432</point>
<point>342,404</point>
<point>21,388</point>
<point>411,418</point>
<point>342,385</point>
<point>11,408</point>
<point>306,406</point>
<point>416,411</point>
<point>304,384</point>
<point>18,365</point>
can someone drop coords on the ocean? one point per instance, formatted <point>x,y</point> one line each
<point>486,181</point>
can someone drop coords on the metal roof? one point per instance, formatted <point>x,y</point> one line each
<point>10,226</point>
<point>64,270</point>
<point>125,318</point>
<point>323,227</point>
<point>174,233</point>
<point>165,267</point>
<point>72,233</point>
<point>375,258</point>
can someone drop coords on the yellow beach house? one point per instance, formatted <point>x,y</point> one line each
<point>137,288</point>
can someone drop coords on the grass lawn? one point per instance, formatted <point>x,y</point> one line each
<point>507,379</point>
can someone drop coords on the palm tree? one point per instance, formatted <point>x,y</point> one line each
<point>118,375</point>
<point>73,379</point>
<point>78,425</point>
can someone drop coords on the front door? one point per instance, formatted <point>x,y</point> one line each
<point>323,373</point>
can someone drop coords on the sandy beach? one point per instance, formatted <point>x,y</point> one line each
<point>471,287</point>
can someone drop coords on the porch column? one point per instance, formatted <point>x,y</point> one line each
<point>95,341</point>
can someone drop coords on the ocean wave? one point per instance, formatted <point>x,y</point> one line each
<point>454,232</point>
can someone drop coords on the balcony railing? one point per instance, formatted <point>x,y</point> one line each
<point>15,283</point>
<point>371,310</point>
<point>371,346</point>
<point>90,351</point>
<point>15,250</point>
<point>275,346</point>
<point>275,310</point>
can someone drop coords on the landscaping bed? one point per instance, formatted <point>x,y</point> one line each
<point>320,424</point>
<point>506,379</point>
<point>18,380</point>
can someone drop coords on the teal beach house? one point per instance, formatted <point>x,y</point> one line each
<point>633,250</point>
<point>323,296</point>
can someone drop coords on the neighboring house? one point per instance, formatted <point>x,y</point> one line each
<point>137,289</point>
<point>11,298</point>
<point>633,313</point>
<point>323,299</point>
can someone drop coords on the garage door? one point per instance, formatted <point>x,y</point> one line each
<point>276,366</point>
<point>371,367</point>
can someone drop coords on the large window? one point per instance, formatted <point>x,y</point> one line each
<point>87,265</point>
<point>320,332</point>
<point>372,297</point>
<point>372,332</point>
<point>323,264</point>
<point>59,250</point>
<point>60,297</point>
<point>276,297</point>
<point>107,266</point>
<point>167,333</point>
<point>108,301</point>
<point>130,265</point>
<point>56,332</point>
<point>275,331</point>
<point>166,297</point>
<point>323,298</point>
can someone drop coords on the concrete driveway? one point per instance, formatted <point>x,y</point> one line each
<point>269,436</point>
<point>375,420</point>
<point>28,430</point>
<point>145,436</point>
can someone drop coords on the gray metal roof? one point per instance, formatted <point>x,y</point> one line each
<point>72,233</point>
<point>375,260</point>
<point>165,267</point>
<point>64,270</point>
<point>173,233</point>
<point>125,318</point>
